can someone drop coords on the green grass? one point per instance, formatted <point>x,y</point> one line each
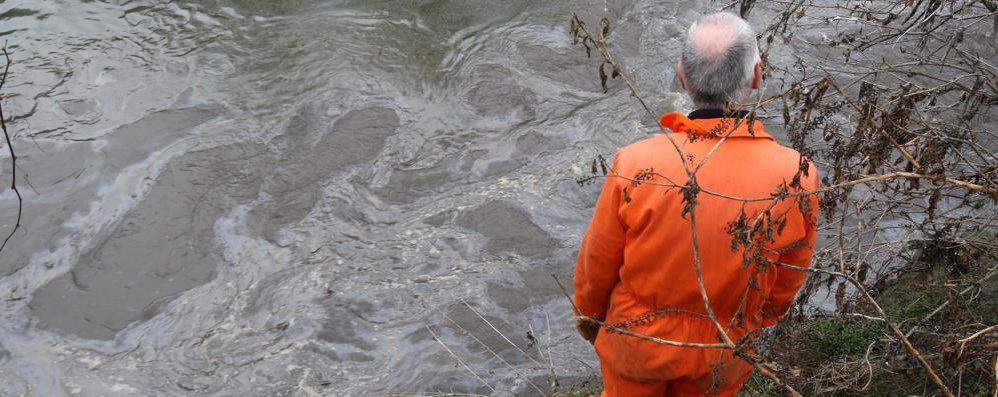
<point>838,337</point>
<point>758,386</point>
<point>910,299</point>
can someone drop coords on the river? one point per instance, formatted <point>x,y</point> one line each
<point>292,198</point>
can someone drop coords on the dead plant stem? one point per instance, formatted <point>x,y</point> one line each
<point>604,51</point>
<point>459,360</point>
<point>494,354</point>
<point>10,147</point>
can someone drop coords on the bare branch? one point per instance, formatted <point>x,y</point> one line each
<point>580,32</point>
<point>10,147</point>
<point>459,360</point>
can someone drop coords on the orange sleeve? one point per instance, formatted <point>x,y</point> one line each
<point>602,251</point>
<point>789,281</point>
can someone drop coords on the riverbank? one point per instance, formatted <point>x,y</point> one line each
<point>946,302</point>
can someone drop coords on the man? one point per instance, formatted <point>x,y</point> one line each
<point>635,268</point>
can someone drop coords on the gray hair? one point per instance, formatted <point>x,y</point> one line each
<point>716,79</point>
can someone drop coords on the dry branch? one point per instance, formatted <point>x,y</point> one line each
<point>494,354</point>
<point>459,360</point>
<point>10,148</point>
<point>581,35</point>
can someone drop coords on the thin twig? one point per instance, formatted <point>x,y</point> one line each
<point>604,51</point>
<point>551,368</point>
<point>861,315</point>
<point>494,354</point>
<point>869,366</point>
<point>995,393</point>
<point>978,334</point>
<point>654,339</point>
<point>459,360</point>
<point>433,394</point>
<point>575,309</point>
<point>854,182</point>
<point>637,335</point>
<point>503,336</point>
<point>10,147</point>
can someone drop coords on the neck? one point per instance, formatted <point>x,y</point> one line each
<point>716,113</point>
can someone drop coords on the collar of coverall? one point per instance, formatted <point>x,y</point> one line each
<point>709,122</point>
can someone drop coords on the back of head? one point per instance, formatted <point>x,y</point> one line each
<point>719,55</point>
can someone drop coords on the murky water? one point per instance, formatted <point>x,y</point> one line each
<point>290,198</point>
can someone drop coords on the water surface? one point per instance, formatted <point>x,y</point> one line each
<point>285,198</point>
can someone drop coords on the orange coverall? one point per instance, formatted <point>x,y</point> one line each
<point>635,265</point>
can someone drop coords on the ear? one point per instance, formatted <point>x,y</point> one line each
<point>757,75</point>
<point>679,73</point>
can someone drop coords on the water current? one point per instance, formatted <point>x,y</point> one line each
<point>307,197</point>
